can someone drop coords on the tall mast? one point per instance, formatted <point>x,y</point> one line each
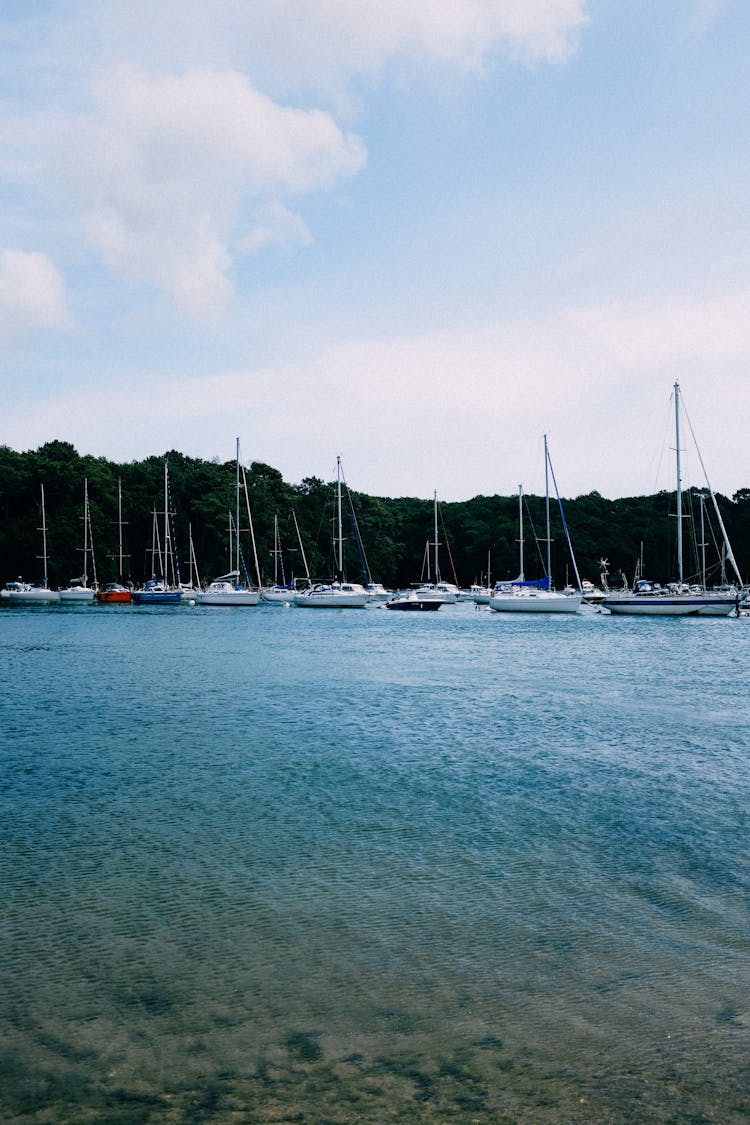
<point>85,531</point>
<point>91,540</point>
<point>679,479</point>
<point>520,531</point>
<point>237,513</point>
<point>166,522</point>
<point>340,538</point>
<point>119,522</point>
<point>546,508</point>
<point>43,530</point>
<point>437,566</point>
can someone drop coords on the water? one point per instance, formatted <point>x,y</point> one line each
<point>270,865</point>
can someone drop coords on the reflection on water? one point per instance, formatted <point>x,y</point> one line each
<point>258,867</point>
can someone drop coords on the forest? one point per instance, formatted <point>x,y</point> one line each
<point>393,531</point>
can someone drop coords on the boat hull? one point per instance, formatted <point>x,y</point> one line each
<point>535,602</point>
<point>277,597</point>
<point>157,597</point>
<point>114,597</point>
<point>39,596</point>
<point>81,595</point>
<point>331,601</point>
<point>232,598</point>
<point>685,606</point>
<point>414,605</point>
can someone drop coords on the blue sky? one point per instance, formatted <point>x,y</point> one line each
<point>418,233</point>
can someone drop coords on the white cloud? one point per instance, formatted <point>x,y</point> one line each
<point>321,43</point>
<point>165,162</point>
<point>32,295</point>
<point>318,39</point>
<point>463,410</point>
<point>276,224</point>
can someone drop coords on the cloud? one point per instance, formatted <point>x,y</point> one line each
<point>324,38</point>
<point>166,161</point>
<point>461,410</point>
<point>320,43</point>
<point>276,224</point>
<point>32,295</point>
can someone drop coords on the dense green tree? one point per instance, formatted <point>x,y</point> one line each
<point>394,532</point>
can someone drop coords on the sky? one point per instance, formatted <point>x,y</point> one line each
<point>418,234</point>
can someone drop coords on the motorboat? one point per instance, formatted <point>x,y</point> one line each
<point>412,602</point>
<point>114,593</point>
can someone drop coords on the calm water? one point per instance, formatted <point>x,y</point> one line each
<point>267,865</point>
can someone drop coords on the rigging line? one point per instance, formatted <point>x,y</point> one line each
<point>252,529</point>
<point>447,543</point>
<point>357,537</point>
<point>533,532</point>
<point>664,440</point>
<point>727,544</point>
<point>565,526</point>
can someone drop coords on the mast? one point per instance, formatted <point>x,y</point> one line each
<point>166,522</point>
<point>275,550</point>
<point>437,566</point>
<point>85,531</point>
<point>679,479</point>
<point>43,530</point>
<point>237,513</point>
<point>546,508</point>
<point>520,530</point>
<point>340,538</point>
<point>119,522</point>
<point>91,538</point>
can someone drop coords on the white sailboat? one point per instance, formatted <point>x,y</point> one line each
<point>26,592</point>
<point>649,599</point>
<point>337,594</point>
<point>79,592</point>
<point>521,596</point>
<point>280,593</point>
<point>447,593</point>
<point>227,590</point>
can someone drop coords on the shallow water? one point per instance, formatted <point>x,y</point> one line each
<point>268,865</point>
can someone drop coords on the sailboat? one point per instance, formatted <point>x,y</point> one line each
<point>447,593</point>
<point>679,599</point>
<point>522,596</point>
<point>338,594</point>
<point>280,593</point>
<point>157,590</point>
<point>116,593</point>
<point>227,590</point>
<point>26,592</point>
<point>79,592</point>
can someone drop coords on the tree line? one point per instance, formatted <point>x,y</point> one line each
<point>393,532</point>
